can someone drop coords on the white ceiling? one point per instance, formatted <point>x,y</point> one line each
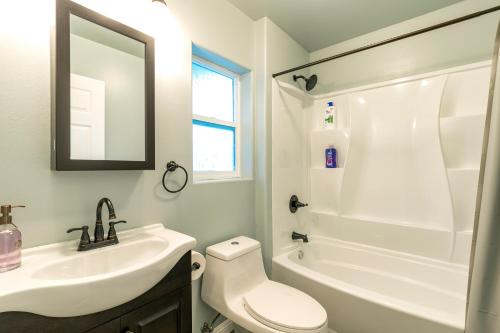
<point>316,24</point>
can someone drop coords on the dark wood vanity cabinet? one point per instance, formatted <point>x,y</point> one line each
<point>112,326</point>
<point>165,308</point>
<point>163,315</point>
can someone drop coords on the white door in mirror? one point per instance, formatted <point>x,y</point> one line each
<point>87,118</point>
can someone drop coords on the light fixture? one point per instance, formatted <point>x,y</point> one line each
<point>160,2</point>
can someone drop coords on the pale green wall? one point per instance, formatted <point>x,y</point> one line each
<point>59,200</point>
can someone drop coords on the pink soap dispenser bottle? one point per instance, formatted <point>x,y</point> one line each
<point>10,241</point>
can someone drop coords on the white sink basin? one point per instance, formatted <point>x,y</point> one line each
<point>57,281</point>
<point>108,260</point>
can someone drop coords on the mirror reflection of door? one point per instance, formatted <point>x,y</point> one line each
<point>108,96</point>
<point>87,118</point>
<point>104,93</point>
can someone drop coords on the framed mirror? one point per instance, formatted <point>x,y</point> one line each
<point>104,93</point>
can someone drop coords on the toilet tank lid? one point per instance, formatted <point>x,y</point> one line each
<point>233,248</point>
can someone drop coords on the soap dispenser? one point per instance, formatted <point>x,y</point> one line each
<point>10,241</point>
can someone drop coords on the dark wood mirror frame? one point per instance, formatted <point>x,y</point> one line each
<point>61,132</point>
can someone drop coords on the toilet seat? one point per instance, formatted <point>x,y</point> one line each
<point>284,308</point>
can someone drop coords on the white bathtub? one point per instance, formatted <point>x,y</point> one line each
<point>371,290</point>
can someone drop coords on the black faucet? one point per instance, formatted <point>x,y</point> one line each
<point>296,236</point>
<point>99,241</point>
<point>294,204</point>
<point>99,229</point>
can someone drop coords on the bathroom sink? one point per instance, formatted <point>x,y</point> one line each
<point>58,281</point>
<point>110,260</point>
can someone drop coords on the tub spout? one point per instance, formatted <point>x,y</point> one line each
<point>296,236</point>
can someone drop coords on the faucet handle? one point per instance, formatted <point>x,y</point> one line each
<point>85,239</point>
<point>112,230</point>
<point>294,204</point>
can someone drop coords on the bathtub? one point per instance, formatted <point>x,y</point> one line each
<point>372,290</point>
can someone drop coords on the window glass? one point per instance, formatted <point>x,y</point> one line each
<point>213,95</point>
<point>213,147</point>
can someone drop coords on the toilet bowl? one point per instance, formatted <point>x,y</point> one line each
<point>235,284</point>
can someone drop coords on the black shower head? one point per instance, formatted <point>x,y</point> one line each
<point>310,82</point>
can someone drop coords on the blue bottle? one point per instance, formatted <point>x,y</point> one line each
<point>331,157</point>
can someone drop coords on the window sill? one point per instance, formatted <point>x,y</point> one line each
<point>222,180</point>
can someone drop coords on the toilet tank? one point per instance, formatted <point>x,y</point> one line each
<point>233,268</point>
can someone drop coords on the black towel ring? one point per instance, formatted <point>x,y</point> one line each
<point>172,166</point>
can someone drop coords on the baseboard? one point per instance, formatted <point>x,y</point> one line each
<point>225,327</point>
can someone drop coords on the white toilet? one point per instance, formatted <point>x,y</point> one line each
<point>235,284</point>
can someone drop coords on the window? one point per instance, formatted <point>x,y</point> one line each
<point>216,121</point>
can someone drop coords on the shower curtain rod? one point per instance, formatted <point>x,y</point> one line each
<point>393,39</point>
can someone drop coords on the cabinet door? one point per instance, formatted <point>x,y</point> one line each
<point>161,316</point>
<point>110,327</point>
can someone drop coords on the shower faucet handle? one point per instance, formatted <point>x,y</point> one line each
<point>294,204</point>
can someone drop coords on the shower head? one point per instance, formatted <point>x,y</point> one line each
<point>310,82</point>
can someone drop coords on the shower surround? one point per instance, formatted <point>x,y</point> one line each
<point>401,200</point>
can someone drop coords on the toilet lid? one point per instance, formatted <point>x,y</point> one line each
<point>284,308</point>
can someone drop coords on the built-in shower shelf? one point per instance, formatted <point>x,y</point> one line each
<point>472,169</point>
<point>319,169</point>
<point>324,212</point>
<point>395,222</point>
<point>322,139</point>
<point>343,130</point>
<point>463,117</point>
<point>353,218</point>
<point>462,139</point>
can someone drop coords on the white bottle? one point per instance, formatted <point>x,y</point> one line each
<point>330,115</point>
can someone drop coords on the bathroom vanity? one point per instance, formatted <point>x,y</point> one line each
<point>164,308</point>
<point>142,284</point>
